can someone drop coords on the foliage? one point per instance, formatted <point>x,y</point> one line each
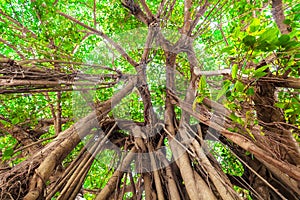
<point>238,35</point>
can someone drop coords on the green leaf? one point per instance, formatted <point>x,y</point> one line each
<point>8,152</point>
<point>200,98</point>
<point>250,91</point>
<point>234,71</point>
<point>254,26</point>
<point>296,7</point>
<point>283,39</point>
<point>247,71</point>
<point>287,21</point>
<point>249,40</point>
<point>270,35</point>
<point>291,44</point>
<point>250,133</point>
<point>228,50</point>
<point>280,105</point>
<point>231,106</point>
<point>260,72</point>
<point>261,69</point>
<point>236,119</point>
<point>289,111</point>
<point>239,86</point>
<point>15,121</point>
<point>224,89</point>
<point>202,84</point>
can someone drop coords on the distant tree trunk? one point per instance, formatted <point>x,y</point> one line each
<point>279,17</point>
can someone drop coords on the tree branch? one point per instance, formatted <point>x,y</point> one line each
<point>104,36</point>
<point>279,17</point>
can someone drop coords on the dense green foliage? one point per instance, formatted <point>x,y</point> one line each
<point>237,35</point>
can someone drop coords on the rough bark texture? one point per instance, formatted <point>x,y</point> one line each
<point>278,15</point>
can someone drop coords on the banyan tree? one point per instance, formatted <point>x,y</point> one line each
<point>138,99</point>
